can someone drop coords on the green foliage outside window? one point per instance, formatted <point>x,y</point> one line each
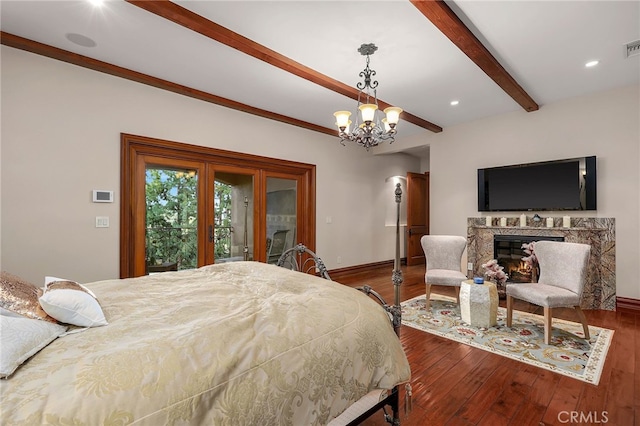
<point>172,218</point>
<point>223,225</point>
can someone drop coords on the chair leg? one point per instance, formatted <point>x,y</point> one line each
<point>583,320</point>
<point>428,303</point>
<point>547,325</point>
<point>509,310</point>
<point>457,294</point>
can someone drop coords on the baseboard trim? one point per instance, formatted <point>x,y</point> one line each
<point>339,273</point>
<point>628,303</point>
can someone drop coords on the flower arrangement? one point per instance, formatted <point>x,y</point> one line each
<point>495,272</point>
<point>529,248</point>
<point>530,259</point>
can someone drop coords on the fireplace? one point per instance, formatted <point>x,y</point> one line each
<point>600,282</point>
<point>507,250</point>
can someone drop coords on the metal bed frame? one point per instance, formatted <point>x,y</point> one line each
<point>300,258</point>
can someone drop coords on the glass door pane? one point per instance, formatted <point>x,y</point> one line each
<point>171,198</point>
<point>282,195</point>
<point>232,232</point>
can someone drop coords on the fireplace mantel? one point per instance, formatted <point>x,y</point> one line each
<point>600,286</point>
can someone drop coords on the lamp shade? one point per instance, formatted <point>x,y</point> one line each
<point>393,114</point>
<point>386,125</point>
<point>368,111</point>
<point>342,118</point>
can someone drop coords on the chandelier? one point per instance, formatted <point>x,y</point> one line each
<point>369,130</point>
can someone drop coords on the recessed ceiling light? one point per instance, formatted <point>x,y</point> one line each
<point>80,40</point>
<point>591,64</point>
<point>454,103</point>
<point>97,3</point>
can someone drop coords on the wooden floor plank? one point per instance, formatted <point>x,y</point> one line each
<point>527,375</point>
<point>620,407</point>
<point>623,353</point>
<point>510,399</point>
<point>476,406</point>
<point>528,414</point>
<point>491,418</point>
<point>444,397</point>
<point>543,388</point>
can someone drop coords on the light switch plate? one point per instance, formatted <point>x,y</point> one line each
<point>102,221</point>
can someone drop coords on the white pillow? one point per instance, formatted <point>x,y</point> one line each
<point>71,303</point>
<point>23,337</point>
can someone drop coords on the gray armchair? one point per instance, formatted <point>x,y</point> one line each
<point>563,269</point>
<point>443,254</point>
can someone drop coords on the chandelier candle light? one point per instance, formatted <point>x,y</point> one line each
<point>368,130</point>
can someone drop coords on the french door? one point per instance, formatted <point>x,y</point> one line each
<point>169,214</point>
<point>231,208</point>
<point>282,221</point>
<point>184,206</point>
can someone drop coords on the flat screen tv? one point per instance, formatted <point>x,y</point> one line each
<point>551,185</point>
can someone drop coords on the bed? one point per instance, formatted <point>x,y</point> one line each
<point>238,343</point>
<point>235,343</point>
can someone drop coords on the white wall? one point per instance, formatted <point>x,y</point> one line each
<point>605,124</point>
<point>61,128</point>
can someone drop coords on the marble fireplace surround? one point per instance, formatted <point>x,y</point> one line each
<point>600,286</point>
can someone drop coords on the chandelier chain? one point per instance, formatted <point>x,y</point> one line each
<point>366,74</point>
<point>369,130</point>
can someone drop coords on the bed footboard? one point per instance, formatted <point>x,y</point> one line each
<point>395,311</point>
<point>301,259</point>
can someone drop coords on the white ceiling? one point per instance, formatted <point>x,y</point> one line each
<point>544,45</point>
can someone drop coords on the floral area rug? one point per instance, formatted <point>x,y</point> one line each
<point>569,353</point>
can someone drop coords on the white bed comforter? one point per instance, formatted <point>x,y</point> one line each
<point>241,343</point>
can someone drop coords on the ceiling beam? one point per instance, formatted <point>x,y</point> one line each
<point>201,25</point>
<point>441,15</point>
<point>17,42</point>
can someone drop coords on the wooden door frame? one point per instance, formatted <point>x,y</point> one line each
<point>133,148</point>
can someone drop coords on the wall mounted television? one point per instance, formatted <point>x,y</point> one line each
<point>568,184</point>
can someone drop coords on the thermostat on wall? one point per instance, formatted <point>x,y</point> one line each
<point>100,196</point>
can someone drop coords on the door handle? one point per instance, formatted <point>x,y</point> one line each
<point>211,233</point>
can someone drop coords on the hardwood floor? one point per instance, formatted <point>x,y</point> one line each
<point>455,384</point>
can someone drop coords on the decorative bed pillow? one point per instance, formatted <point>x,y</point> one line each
<point>21,297</point>
<point>21,338</point>
<point>71,303</point>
